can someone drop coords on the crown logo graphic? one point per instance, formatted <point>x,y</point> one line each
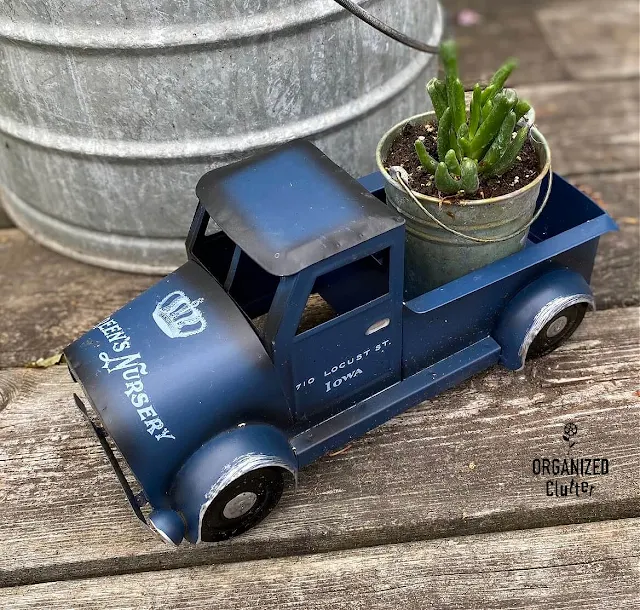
<point>178,316</point>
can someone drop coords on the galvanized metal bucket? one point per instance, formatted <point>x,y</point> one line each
<point>110,113</point>
<point>436,255</point>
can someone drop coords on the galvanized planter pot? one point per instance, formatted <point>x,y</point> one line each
<point>435,256</point>
<point>109,114</point>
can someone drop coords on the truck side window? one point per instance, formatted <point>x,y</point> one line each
<point>345,289</point>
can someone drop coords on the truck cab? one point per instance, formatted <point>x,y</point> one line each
<point>315,263</point>
<point>287,334</point>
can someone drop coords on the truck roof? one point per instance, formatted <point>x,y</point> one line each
<point>292,207</point>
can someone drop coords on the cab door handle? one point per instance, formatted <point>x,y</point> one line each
<point>376,326</point>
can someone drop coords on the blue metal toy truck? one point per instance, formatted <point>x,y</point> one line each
<point>221,380</point>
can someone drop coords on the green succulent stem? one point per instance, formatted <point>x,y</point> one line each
<point>499,145</point>
<point>455,94</point>
<point>513,150</point>
<point>504,102</point>
<point>469,180</point>
<point>455,145</point>
<point>455,90</point>
<point>463,139</point>
<point>449,57</point>
<point>475,110</point>
<point>451,161</point>
<point>485,112</point>
<point>445,182</point>
<point>437,91</point>
<point>444,131</point>
<point>426,160</point>
<point>498,80</point>
<point>465,146</point>
<point>503,72</point>
<point>488,94</point>
<point>522,107</point>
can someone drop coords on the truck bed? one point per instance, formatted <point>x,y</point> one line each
<point>465,310</point>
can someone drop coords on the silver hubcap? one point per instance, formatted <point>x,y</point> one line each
<point>240,505</point>
<point>557,326</point>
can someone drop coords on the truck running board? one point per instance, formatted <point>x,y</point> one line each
<point>355,421</point>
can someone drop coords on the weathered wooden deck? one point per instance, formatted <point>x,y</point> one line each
<point>436,509</point>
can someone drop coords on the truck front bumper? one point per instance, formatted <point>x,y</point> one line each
<point>136,501</point>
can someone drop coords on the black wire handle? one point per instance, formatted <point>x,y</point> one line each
<point>374,22</point>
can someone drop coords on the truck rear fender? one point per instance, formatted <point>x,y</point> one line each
<point>222,460</point>
<point>535,305</point>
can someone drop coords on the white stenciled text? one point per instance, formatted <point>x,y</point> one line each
<point>133,369</point>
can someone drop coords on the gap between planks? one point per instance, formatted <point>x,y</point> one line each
<point>457,465</point>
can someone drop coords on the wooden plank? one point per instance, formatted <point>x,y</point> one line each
<point>589,129</point>
<point>553,40</point>
<point>506,29</point>
<point>595,566</point>
<point>616,276</point>
<point>48,299</point>
<point>460,464</point>
<point>5,221</point>
<point>593,39</point>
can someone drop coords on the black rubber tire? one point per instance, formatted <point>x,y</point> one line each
<point>266,483</point>
<point>543,345</point>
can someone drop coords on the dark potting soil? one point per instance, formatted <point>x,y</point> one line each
<point>403,153</point>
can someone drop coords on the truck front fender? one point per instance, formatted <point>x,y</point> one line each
<point>222,460</point>
<point>535,305</point>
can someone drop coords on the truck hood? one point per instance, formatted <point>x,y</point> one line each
<point>175,366</point>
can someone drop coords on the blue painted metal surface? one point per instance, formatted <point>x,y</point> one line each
<point>338,361</point>
<point>214,373</point>
<point>292,208</point>
<point>366,415</point>
<point>161,396</point>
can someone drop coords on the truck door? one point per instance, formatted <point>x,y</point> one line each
<point>347,342</point>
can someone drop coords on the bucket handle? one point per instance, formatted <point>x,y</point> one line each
<point>396,172</point>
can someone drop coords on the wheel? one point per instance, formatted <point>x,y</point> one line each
<point>557,330</point>
<point>242,504</point>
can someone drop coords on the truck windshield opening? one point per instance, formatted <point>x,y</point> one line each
<point>245,281</point>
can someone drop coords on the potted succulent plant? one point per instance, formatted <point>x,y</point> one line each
<point>466,177</point>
